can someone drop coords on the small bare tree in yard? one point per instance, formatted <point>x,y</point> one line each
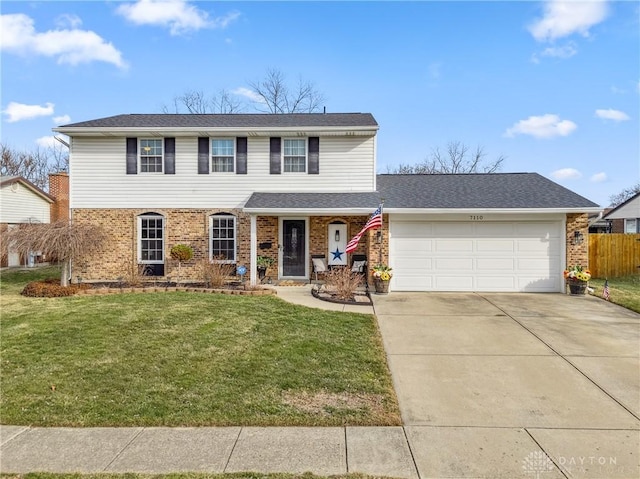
<point>61,240</point>
<point>458,158</point>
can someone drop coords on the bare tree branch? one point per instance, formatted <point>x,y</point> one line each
<point>276,97</point>
<point>624,195</point>
<point>456,159</point>
<point>36,165</point>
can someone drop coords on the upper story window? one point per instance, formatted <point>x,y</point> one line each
<point>294,154</point>
<point>151,151</point>
<point>223,238</point>
<point>222,155</point>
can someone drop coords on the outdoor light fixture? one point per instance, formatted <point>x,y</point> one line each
<point>337,236</point>
<point>379,237</point>
<point>578,237</point>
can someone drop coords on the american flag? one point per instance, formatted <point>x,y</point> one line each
<point>605,291</point>
<point>374,221</point>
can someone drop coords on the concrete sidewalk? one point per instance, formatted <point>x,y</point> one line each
<point>302,295</point>
<point>379,451</point>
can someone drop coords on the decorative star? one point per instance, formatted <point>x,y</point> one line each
<point>337,254</point>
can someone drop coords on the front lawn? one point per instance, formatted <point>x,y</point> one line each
<point>624,291</point>
<point>187,359</point>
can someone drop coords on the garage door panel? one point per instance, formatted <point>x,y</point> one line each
<point>495,264</point>
<point>454,264</point>
<point>448,245</point>
<point>476,256</point>
<point>493,245</point>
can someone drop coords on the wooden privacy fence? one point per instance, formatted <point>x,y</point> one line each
<point>614,255</point>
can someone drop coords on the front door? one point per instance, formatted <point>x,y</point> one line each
<point>294,252</point>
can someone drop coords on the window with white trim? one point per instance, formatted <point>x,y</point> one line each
<point>223,154</point>
<point>294,155</point>
<point>632,225</point>
<point>151,155</point>
<point>222,230</point>
<point>151,238</point>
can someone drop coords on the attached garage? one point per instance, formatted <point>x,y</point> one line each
<point>486,253</point>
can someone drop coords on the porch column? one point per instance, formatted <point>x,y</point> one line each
<point>253,269</point>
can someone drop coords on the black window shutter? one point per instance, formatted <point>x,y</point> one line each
<point>169,156</point>
<point>241,155</point>
<point>314,155</point>
<point>132,156</point>
<point>203,156</point>
<point>274,155</point>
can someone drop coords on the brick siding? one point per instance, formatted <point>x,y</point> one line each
<point>59,190</point>
<point>577,254</point>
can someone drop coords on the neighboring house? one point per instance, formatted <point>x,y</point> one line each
<point>625,218</point>
<point>597,224</point>
<point>21,202</point>
<point>291,186</point>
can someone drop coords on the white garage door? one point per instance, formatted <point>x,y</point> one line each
<point>476,256</point>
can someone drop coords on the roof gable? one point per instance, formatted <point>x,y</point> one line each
<point>628,209</point>
<point>7,181</point>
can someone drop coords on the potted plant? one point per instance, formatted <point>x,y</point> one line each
<point>263,263</point>
<point>381,276</point>
<point>577,278</point>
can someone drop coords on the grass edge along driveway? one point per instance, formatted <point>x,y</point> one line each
<point>187,359</point>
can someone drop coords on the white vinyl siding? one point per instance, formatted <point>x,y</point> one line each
<point>20,204</point>
<point>99,180</point>
<point>485,255</point>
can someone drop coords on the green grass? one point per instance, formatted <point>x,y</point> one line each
<point>187,359</point>
<point>624,291</point>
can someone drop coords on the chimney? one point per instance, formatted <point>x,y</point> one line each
<point>59,190</point>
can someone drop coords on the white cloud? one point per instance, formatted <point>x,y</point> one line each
<point>247,93</point>
<point>47,142</point>
<point>544,126</point>
<point>62,119</point>
<point>563,18</point>
<point>599,177</point>
<point>68,20</point>
<point>178,15</point>
<point>566,174</point>
<point>610,114</point>
<point>70,46</point>
<point>20,111</point>
<point>566,51</point>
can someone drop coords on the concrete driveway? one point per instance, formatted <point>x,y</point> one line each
<point>515,385</point>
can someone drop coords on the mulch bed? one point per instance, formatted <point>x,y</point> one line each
<point>360,298</point>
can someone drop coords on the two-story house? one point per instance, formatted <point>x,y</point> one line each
<point>290,186</point>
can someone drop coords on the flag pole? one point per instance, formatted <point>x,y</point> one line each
<point>381,230</point>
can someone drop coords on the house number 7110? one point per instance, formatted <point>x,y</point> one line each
<point>476,217</point>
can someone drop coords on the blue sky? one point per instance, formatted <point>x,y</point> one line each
<point>553,86</point>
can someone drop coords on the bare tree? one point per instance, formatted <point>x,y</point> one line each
<point>274,95</point>
<point>195,101</point>
<point>36,165</point>
<point>457,158</point>
<point>61,240</point>
<point>624,195</point>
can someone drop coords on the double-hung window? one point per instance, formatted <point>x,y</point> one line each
<point>151,151</point>
<point>294,154</point>
<point>222,155</point>
<point>223,238</point>
<point>151,243</point>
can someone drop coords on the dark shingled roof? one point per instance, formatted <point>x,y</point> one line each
<point>313,200</point>
<point>497,190</point>
<point>465,191</point>
<point>232,120</point>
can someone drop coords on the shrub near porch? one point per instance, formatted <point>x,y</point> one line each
<point>181,359</point>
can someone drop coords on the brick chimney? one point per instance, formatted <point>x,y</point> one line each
<point>59,190</point>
